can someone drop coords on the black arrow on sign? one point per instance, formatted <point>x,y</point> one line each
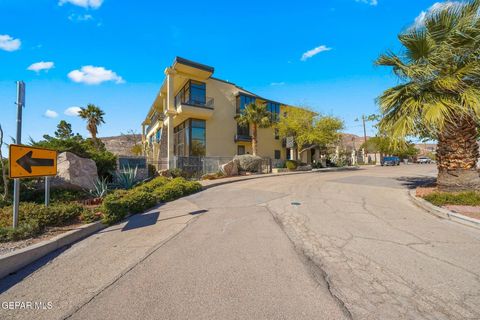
<point>27,162</point>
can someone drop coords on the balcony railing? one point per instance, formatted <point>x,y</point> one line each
<point>206,102</point>
<point>153,120</point>
<point>242,137</point>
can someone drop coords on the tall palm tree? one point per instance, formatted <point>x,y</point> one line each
<point>94,116</point>
<point>258,116</point>
<point>439,93</point>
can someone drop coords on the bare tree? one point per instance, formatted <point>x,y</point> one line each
<point>2,163</point>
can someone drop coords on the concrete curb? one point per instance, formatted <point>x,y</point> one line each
<point>18,259</point>
<point>442,212</point>
<point>223,181</point>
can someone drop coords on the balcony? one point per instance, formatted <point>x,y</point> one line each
<point>200,108</point>
<point>242,138</point>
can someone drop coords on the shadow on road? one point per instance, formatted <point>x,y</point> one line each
<point>141,220</point>
<point>16,277</point>
<point>414,182</point>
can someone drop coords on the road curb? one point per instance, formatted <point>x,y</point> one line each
<point>271,175</point>
<point>442,212</point>
<point>16,260</point>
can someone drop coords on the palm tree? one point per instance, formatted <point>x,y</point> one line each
<point>439,93</point>
<point>94,116</point>
<point>258,116</point>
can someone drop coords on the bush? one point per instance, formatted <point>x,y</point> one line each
<point>34,218</point>
<point>291,164</point>
<point>90,215</point>
<point>249,163</point>
<point>118,204</point>
<point>33,194</point>
<point>470,198</point>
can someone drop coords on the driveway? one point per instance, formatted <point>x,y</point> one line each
<point>335,245</point>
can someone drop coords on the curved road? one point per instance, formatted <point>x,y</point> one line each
<point>337,245</point>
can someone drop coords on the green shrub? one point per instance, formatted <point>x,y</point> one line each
<point>34,218</point>
<point>33,194</point>
<point>153,184</point>
<point>470,198</point>
<point>113,207</point>
<point>90,215</point>
<point>121,202</point>
<point>291,164</point>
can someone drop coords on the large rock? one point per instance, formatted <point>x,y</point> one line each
<point>249,163</point>
<point>75,172</point>
<point>230,168</point>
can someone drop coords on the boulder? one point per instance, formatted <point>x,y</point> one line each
<point>304,168</point>
<point>249,163</point>
<point>230,168</point>
<point>74,172</point>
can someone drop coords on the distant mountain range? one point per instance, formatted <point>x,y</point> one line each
<point>122,144</point>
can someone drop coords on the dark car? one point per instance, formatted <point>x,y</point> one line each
<point>390,161</point>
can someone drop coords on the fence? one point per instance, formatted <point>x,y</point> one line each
<point>198,166</point>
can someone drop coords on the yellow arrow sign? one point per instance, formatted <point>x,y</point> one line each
<point>28,162</point>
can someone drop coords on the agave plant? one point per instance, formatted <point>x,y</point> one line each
<point>100,188</point>
<point>126,178</point>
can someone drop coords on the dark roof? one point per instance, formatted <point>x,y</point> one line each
<point>194,64</point>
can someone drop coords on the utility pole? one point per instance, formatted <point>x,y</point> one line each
<point>364,130</point>
<point>16,183</point>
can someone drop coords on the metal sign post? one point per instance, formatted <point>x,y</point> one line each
<point>16,182</point>
<point>47,191</point>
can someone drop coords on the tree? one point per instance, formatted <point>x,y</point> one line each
<point>439,94</point>
<point>64,130</point>
<point>308,128</point>
<point>94,116</point>
<point>258,116</point>
<point>386,146</point>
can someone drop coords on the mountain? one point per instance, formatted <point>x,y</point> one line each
<point>122,144</point>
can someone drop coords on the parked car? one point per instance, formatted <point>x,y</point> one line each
<point>424,160</point>
<point>390,161</point>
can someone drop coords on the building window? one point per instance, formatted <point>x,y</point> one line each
<point>243,130</point>
<point>274,109</point>
<point>243,101</point>
<point>288,154</point>
<point>277,154</point>
<point>276,134</point>
<point>194,93</point>
<point>198,138</point>
<point>240,150</point>
<point>158,135</point>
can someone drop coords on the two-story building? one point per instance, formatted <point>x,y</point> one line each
<point>193,115</point>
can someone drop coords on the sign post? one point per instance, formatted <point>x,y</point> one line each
<point>18,140</point>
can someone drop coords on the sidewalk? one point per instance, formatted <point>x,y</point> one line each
<point>93,264</point>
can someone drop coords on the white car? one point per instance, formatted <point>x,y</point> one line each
<point>424,160</point>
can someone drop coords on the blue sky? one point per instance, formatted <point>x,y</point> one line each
<point>112,53</point>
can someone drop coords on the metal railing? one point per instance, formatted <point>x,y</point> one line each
<point>206,102</point>
<point>196,167</point>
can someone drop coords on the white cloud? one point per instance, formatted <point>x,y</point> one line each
<point>80,17</point>
<point>94,75</point>
<point>313,52</point>
<point>370,2</point>
<point>274,84</point>
<point>72,111</point>
<point>8,43</point>
<point>94,4</point>
<point>436,7</point>
<point>42,65</point>
<point>50,114</point>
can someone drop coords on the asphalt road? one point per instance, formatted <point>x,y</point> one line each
<point>334,245</point>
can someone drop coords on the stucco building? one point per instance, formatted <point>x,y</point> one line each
<point>193,115</point>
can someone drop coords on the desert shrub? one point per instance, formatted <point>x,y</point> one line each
<point>121,202</point>
<point>470,198</point>
<point>90,215</point>
<point>153,184</point>
<point>34,218</point>
<point>248,162</point>
<point>291,164</point>
<point>34,194</point>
